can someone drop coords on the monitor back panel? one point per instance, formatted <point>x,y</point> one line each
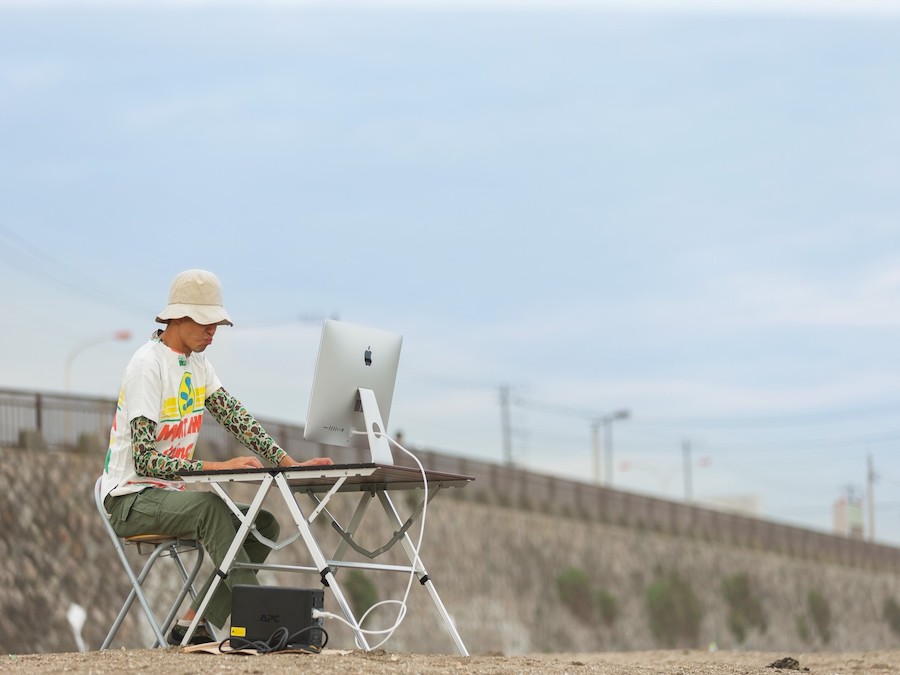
<point>350,356</point>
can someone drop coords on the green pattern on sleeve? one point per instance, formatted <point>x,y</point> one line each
<point>233,416</point>
<point>148,461</point>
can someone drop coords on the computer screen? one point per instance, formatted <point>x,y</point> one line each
<point>351,356</point>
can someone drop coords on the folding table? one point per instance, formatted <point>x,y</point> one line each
<point>321,483</point>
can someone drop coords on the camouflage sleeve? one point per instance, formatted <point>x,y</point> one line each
<point>233,416</point>
<point>148,461</point>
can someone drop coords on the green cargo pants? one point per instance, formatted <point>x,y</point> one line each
<point>195,515</point>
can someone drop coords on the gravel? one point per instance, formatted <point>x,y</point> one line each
<point>662,662</point>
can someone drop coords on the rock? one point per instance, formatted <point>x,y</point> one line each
<point>787,663</point>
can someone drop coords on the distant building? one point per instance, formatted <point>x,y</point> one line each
<point>742,505</point>
<point>848,517</point>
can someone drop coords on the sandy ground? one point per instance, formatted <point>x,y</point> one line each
<point>683,662</point>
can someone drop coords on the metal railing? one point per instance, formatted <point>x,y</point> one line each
<point>57,422</point>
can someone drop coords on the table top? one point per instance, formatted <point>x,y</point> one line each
<point>358,477</point>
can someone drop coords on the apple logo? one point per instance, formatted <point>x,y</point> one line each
<point>368,356</point>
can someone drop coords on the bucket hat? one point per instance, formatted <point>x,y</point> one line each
<point>196,294</point>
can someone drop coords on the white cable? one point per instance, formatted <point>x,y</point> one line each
<point>412,575</point>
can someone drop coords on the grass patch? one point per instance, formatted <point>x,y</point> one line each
<point>745,611</point>
<point>674,612</point>
<point>361,593</point>
<point>820,613</point>
<point>891,613</point>
<point>577,592</point>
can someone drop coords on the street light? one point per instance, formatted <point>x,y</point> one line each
<point>688,463</point>
<point>605,422</point>
<point>90,342</point>
<point>76,350</point>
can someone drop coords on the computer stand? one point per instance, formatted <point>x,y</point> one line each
<point>379,448</point>
<point>373,479</point>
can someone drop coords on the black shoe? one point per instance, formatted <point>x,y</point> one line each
<point>200,636</point>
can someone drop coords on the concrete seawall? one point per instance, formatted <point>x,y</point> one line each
<point>497,570</point>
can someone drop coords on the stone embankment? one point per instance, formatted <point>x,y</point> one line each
<point>501,572</point>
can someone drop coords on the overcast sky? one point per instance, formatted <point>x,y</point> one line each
<point>677,210</point>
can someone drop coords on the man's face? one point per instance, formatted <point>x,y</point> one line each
<point>195,337</point>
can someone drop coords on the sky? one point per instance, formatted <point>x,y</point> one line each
<point>685,210</point>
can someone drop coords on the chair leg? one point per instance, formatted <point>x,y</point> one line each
<point>136,592</point>
<point>137,581</point>
<point>186,587</point>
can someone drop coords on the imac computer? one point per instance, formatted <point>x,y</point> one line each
<point>353,386</point>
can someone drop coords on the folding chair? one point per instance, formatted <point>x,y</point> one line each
<point>160,546</point>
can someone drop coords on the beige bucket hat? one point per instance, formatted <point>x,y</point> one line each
<point>196,294</point>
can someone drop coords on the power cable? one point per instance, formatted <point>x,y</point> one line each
<point>564,411</point>
<point>32,261</point>
<point>788,419</point>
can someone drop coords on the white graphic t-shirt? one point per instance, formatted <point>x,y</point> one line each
<point>169,389</point>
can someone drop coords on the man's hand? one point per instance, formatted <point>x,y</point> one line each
<point>318,461</point>
<point>315,461</point>
<point>249,462</point>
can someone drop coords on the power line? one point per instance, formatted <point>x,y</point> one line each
<point>21,255</point>
<point>778,420</point>
<point>564,411</point>
<point>781,445</point>
<point>788,419</point>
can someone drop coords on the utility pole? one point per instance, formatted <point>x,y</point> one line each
<point>870,495</point>
<point>688,486</point>
<point>604,425</point>
<point>505,426</point>
<point>595,442</point>
<point>601,429</point>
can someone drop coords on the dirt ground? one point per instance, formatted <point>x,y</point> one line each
<point>675,662</point>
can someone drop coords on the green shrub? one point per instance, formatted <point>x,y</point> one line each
<point>361,593</point>
<point>803,628</point>
<point>891,614</point>
<point>820,612</point>
<point>744,608</point>
<point>674,611</point>
<point>737,627</point>
<point>607,606</point>
<point>574,587</point>
<point>585,602</point>
<point>413,498</point>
